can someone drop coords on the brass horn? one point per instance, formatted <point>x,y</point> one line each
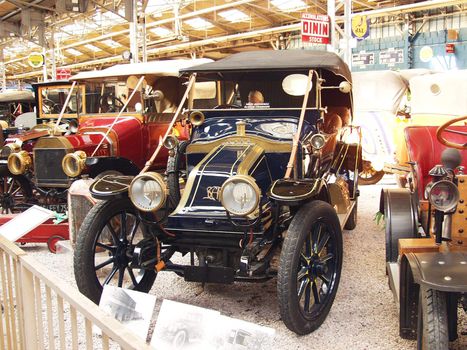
<point>197,118</point>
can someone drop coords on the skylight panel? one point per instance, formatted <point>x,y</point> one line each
<point>92,48</point>
<point>199,23</point>
<point>74,52</point>
<point>234,16</point>
<point>289,5</point>
<point>111,43</point>
<point>161,31</point>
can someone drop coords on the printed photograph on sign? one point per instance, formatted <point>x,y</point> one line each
<point>315,28</point>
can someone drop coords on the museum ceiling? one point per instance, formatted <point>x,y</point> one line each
<point>94,34</point>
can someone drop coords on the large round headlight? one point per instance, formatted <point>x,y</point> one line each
<point>19,162</point>
<point>74,163</point>
<point>148,191</point>
<point>8,149</point>
<point>443,195</point>
<point>240,195</point>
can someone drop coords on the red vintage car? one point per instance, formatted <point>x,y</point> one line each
<point>17,190</point>
<point>123,110</point>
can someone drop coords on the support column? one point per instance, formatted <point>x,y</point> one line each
<point>332,19</point>
<point>348,32</point>
<point>52,53</point>
<point>134,32</point>
<point>3,69</point>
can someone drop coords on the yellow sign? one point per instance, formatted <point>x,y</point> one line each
<point>36,60</point>
<point>360,27</point>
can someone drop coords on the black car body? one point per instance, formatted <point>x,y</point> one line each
<point>262,178</point>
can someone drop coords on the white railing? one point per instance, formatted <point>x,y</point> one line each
<point>40,311</point>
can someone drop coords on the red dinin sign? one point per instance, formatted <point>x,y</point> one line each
<point>315,28</point>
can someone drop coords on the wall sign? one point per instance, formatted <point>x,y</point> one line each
<point>315,28</point>
<point>36,59</point>
<point>63,73</point>
<point>391,56</point>
<point>360,27</point>
<point>450,48</point>
<point>363,58</point>
<point>426,54</point>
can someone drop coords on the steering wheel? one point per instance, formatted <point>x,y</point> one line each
<point>444,129</point>
<point>49,106</point>
<point>115,105</point>
<point>227,106</point>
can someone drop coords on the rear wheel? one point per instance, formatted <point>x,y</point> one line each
<point>432,330</point>
<point>352,220</point>
<point>310,267</point>
<point>369,176</point>
<point>104,249</point>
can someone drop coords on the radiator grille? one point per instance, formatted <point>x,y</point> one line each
<point>48,168</point>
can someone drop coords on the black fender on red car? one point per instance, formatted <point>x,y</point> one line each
<point>99,165</point>
<point>401,218</point>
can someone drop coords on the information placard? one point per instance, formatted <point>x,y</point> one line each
<point>315,28</point>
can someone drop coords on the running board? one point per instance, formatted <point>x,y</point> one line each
<point>344,217</point>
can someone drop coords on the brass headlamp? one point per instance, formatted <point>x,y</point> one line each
<point>19,162</point>
<point>74,163</point>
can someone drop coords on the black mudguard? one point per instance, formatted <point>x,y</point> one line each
<point>401,218</point>
<point>446,272</point>
<point>295,192</point>
<point>111,187</point>
<point>98,165</point>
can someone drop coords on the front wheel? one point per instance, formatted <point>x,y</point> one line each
<point>104,248</point>
<point>310,267</point>
<point>432,329</point>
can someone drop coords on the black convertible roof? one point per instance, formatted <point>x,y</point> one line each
<point>275,60</point>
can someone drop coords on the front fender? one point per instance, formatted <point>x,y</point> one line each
<point>98,165</point>
<point>111,187</point>
<point>295,192</point>
<point>443,271</point>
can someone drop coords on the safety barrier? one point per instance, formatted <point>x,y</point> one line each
<point>40,311</point>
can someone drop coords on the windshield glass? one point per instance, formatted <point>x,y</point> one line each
<point>104,97</point>
<point>52,99</point>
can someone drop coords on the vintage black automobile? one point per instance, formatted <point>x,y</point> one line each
<point>270,168</point>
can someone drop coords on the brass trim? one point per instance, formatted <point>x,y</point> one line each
<point>268,146</point>
<point>250,159</point>
<point>197,118</point>
<point>53,142</point>
<point>19,162</point>
<point>174,143</point>
<point>43,115</point>
<point>192,177</point>
<point>14,147</point>
<point>156,177</point>
<point>250,181</point>
<point>79,158</point>
<point>305,195</point>
<point>138,116</point>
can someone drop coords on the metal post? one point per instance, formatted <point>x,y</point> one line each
<point>134,33</point>
<point>44,67</point>
<point>143,34</point>
<point>52,53</point>
<point>348,32</point>
<point>332,19</point>
<point>3,68</point>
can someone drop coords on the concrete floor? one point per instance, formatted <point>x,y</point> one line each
<point>364,314</point>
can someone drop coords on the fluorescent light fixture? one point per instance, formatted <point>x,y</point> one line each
<point>74,52</point>
<point>161,31</point>
<point>234,16</point>
<point>111,43</point>
<point>199,23</point>
<point>289,5</point>
<point>92,48</point>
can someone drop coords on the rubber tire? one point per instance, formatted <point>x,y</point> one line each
<point>352,220</point>
<point>83,258</point>
<point>291,247</point>
<point>371,180</point>
<point>432,327</point>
